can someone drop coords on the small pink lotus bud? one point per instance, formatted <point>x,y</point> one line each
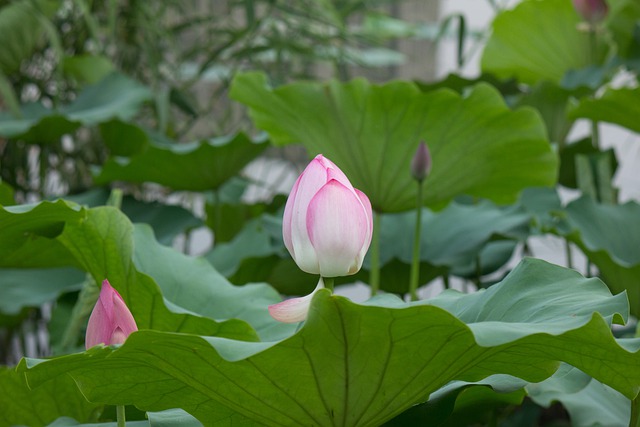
<point>327,224</point>
<point>592,11</point>
<point>294,310</point>
<point>110,322</point>
<point>421,162</point>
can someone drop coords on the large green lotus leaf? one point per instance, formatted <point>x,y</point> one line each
<point>610,236</point>
<point>612,228</point>
<point>6,194</point>
<point>452,240</point>
<point>20,288</point>
<point>464,403</point>
<point>451,237</point>
<point>167,221</point>
<point>252,242</point>
<point>198,166</point>
<point>617,106</point>
<point>354,364</point>
<point>193,284</point>
<point>116,96</point>
<point>99,241</point>
<point>29,231</point>
<point>461,84</point>
<point>104,246</point>
<point>20,405</point>
<point>589,402</point>
<point>479,147</point>
<point>545,206</point>
<point>536,40</point>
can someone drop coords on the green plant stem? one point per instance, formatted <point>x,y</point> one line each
<point>634,420</point>
<point>328,282</point>
<point>374,274</point>
<point>217,203</point>
<point>593,57</point>
<point>595,134</point>
<point>120,416</point>
<point>115,198</point>
<point>415,262</point>
<point>445,281</point>
<point>567,251</point>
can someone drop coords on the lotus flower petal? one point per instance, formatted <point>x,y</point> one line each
<point>294,310</point>
<point>327,224</point>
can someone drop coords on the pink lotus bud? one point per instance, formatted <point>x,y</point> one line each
<point>295,309</point>
<point>421,163</point>
<point>327,224</point>
<point>592,11</point>
<point>111,321</point>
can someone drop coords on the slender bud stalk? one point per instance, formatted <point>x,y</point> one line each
<point>420,168</point>
<point>329,282</point>
<point>374,274</point>
<point>415,262</point>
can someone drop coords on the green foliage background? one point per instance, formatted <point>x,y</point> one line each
<point>112,163</point>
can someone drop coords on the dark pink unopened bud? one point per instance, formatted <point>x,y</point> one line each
<point>592,11</point>
<point>111,321</point>
<point>421,162</point>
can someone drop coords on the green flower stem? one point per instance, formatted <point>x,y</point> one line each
<point>415,263</point>
<point>445,281</point>
<point>595,134</point>
<point>120,416</point>
<point>593,58</point>
<point>115,198</point>
<point>374,274</point>
<point>567,250</point>
<point>328,282</point>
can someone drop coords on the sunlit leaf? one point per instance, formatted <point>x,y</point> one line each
<point>479,146</point>
<point>537,40</point>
